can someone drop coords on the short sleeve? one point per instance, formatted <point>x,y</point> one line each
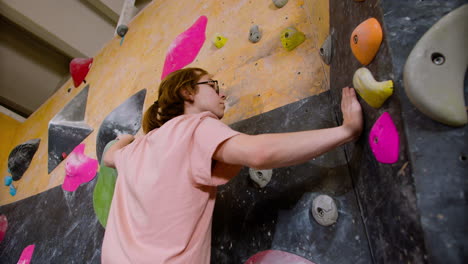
<point>209,134</point>
<point>119,158</point>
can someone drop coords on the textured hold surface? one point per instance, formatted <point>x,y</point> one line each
<point>79,169</point>
<point>184,49</point>
<point>255,34</point>
<point>276,257</point>
<point>125,119</point>
<point>291,38</point>
<point>260,177</point>
<point>219,40</point>
<point>326,51</point>
<point>280,3</point>
<point>324,210</point>
<point>104,190</point>
<point>365,40</point>
<point>79,68</point>
<point>384,140</point>
<point>435,70</point>
<point>20,158</point>
<point>67,129</point>
<point>373,92</point>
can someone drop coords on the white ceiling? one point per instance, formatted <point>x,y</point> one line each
<point>39,38</point>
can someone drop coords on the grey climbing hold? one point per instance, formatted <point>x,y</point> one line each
<point>260,177</point>
<point>20,158</point>
<point>122,30</point>
<point>68,129</point>
<point>324,210</point>
<point>125,119</point>
<point>280,3</point>
<point>326,50</point>
<point>255,34</point>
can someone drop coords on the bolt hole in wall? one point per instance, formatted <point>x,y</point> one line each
<point>463,157</point>
<point>437,58</point>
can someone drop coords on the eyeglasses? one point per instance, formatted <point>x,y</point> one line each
<point>212,83</point>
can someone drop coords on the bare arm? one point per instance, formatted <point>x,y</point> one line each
<point>108,157</point>
<point>285,149</point>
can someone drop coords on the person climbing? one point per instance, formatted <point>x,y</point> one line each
<point>164,196</point>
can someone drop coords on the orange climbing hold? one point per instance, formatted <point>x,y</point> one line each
<point>365,40</point>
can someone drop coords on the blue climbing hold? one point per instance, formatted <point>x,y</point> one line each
<point>12,190</point>
<point>8,180</point>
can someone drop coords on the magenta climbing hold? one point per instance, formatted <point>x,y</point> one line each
<point>26,255</point>
<point>276,257</point>
<point>384,140</point>
<point>79,68</point>
<point>185,47</point>
<point>79,169</point>
<point>3,226</point>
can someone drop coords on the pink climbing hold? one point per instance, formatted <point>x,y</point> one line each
<point>184,49</point>
<point>26,256</point>
<point>384,140</point>
<point>3,226</point>
<point>79,169</point>
<point>276,257</point>
<point>79,68</point>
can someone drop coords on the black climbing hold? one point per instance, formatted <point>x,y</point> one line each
<point>20,158</point>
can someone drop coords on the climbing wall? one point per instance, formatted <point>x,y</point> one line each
<point>368,202</point>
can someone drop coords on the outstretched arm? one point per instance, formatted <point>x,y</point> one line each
<point>268,151</point>
<point>108,157</point>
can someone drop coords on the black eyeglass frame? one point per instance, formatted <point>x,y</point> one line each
<point>210,82</point>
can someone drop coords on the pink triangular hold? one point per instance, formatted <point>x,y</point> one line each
<point>79,68</point>
<point>184,49</point>
<point>79,169</point>
<point>3,226</point>
<point>384,140</point>
<point>26,256</point>
<point>276,257</point>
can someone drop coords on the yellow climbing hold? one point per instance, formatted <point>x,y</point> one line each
<point>373,92</point>
<point>291,38</point>
<point>219,41</point>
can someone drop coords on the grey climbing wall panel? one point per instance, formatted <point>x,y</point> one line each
<point>437,153</point>
<point>248,219</point>
<point>386,195</point>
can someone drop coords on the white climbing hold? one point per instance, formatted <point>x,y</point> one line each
<point>260,177</point>
<point>324,210</point>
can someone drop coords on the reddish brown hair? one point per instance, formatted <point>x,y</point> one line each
<point>170,101</point>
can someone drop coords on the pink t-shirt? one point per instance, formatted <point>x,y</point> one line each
<point>164,197</point>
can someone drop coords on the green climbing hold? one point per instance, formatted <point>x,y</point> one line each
<point>104,190</point>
